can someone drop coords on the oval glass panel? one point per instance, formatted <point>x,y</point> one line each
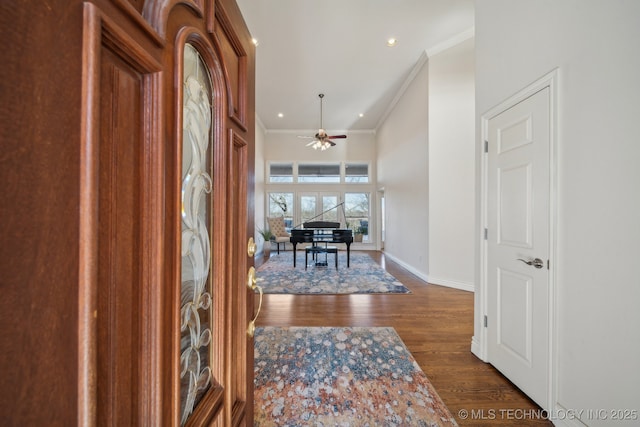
<point>196,186</point>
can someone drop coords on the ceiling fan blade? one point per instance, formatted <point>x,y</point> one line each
<point>312,142</point>
<point>305,137</point>
<point>337,136</point>
<point>333,144</point>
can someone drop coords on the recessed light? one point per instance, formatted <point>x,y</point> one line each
<point>361,114</point>
<point>255,42</point>
<point>280,115</point>
<point>392,42</point>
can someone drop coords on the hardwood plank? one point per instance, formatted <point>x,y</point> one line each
<point>436,324</point>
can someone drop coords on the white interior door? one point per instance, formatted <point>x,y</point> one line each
<point>518,233</point>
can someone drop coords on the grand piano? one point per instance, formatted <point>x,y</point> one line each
<point>319,234</point>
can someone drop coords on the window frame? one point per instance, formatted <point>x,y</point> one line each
<point>281,164</point>
<point>356,164</point>
<point>342,177</point>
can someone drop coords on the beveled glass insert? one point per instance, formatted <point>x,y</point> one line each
<point>196,299</point>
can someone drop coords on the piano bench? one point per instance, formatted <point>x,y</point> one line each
<point>315,250</point>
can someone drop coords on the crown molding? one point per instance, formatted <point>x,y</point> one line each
<point>422,60</point>
<point>313,131</point>
<point>451,42</point>
<point>260,124</point>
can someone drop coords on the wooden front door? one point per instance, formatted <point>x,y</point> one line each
<point>166,160</point>
<point>124,298</point>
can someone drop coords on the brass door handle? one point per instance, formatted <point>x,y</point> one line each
<point>251,278</point>
<point>251,283</point>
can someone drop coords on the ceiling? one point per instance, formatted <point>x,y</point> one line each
<point>339,48</point>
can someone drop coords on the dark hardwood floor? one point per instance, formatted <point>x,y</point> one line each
<point>436,324</point>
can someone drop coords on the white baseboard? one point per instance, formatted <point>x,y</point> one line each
<point>430,279</point>
<point>465,286</point>
<point>406,266</point>
<point>564,417</point>
<point>476,349</point>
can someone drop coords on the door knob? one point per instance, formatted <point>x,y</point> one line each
<point>251,247</point>
<point>537,262</point>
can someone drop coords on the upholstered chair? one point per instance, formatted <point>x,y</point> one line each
<point>280,235</point>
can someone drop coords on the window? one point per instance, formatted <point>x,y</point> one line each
<point>329,207</point>
<point>281,172</point>
<point>281,204</point>
<point>356,172</point>
<point>319,173</point>
<point>307,207</point>
<point>319,207</point>
<point>357,207</point>
<point>322,173</point>
<point>322,191</point>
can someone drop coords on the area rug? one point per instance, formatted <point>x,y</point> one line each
<point>365,276</point>
<point>347,376</point>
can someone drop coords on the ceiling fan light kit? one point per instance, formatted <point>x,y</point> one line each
<point>321,140</point>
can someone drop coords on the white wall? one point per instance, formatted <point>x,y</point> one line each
<point>596,46</point>
<point>426,165</point>
<point>452,166</point>
<point>403,171</point>
<point>285,145</point>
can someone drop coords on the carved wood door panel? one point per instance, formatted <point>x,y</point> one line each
<point>119,242</point>
<point>209,195</point>
<point>120,258</point>
<point>169,163</point>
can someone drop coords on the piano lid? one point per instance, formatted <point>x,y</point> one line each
<point>321,224</point>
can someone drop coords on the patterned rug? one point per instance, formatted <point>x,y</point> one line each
<point>354,376</point>
<point>365,276</point>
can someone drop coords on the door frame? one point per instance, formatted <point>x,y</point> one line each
<point>479,342</point>
<point>381,221</point>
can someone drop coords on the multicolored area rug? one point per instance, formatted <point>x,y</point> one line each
<point>365,276</point>
<point>354,376</point>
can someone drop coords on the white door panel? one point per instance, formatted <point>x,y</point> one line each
<point>514,206</point>
<point>518,232</point>
<point>514,320</point>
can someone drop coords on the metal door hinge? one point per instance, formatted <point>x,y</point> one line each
<point>486,234</point>
<point>486,146</point>
<point>548,267</point>
<point>486,321</point>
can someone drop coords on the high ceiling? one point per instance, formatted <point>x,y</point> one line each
<point>339,48</point>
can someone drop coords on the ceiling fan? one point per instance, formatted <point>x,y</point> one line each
<point>321,140</point>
